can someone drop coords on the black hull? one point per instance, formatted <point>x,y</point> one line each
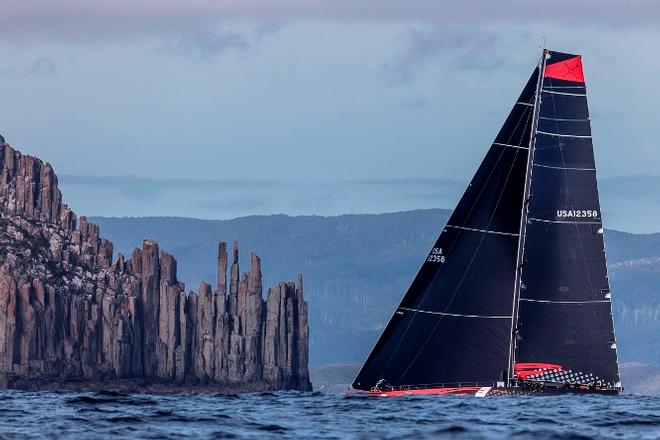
<point>489,391</point>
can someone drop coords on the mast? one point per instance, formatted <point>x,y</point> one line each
<point>523,219</point>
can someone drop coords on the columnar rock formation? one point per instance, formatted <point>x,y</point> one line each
<point>69,311</point>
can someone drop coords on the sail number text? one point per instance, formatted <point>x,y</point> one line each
<point>436,256</point>
<point>583,213</point>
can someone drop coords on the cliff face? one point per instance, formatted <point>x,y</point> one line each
<point>69,312</point>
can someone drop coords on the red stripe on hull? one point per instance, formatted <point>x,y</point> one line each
<point>425,391</point>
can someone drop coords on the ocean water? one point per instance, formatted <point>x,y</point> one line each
<point>315,415</point>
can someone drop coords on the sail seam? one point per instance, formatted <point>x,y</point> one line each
<point>547,118</point>
<point>564,168</point>
<point>510,146</point>
<point>456,315</point>
<point>552,92</point>
<point>547,301</point>
<point>565,221</point>
<point>564,135</point>
<point>483,230</point>
<point>564,87</point>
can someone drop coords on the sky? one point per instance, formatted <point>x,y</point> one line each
<point>218,109</point>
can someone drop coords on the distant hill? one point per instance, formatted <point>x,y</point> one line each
<point>357,267</point>
<point>641,378</point>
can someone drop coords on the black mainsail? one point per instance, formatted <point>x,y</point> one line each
<point>515,287</point>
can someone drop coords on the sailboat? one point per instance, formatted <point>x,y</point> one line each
<point>514,296</point>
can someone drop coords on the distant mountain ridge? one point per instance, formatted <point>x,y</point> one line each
<point>212,197</point>
<point>358,266</point>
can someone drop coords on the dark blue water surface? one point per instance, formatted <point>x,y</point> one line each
<point>296,415</point>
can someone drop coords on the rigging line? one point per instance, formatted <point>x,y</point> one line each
<point>482,230</point>
<point>492,170</point>
<point>474,255</point>
<point>564,168</point>
<point>510,146</point>
<point>458,315</point>
<point>529,104</point>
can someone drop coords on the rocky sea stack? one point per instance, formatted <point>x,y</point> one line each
<point>71,316</point>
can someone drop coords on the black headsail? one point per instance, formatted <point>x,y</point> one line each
<point>564,324</point>
<point>454,323</point>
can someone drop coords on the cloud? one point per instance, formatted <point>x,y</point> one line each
<point>422,45</point>
<point>39,66</point>
<point>414,103</point>
<point>84,20</point>
<point>266,29</point>
<point>209,43</point>
<point>206,44</point>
